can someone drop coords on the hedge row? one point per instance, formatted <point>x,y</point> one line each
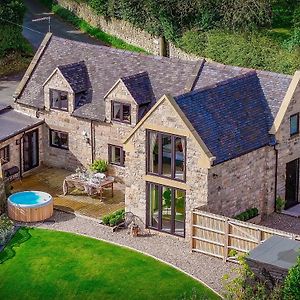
<point>247,214</point>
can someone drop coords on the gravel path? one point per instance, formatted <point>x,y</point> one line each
<point>282,222</point>
<point>170,249</point>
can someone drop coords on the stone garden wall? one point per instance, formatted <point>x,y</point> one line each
<point>123,30</point>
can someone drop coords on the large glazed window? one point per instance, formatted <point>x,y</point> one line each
<point>121,112</point>
<point>166,209</point>
<point>59,100</point>
<point>166,155</point>
<point>59,139</point>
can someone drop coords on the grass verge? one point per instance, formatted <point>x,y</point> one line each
<point>46,264</point>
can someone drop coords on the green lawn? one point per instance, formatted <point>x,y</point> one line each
<point>42,264</point>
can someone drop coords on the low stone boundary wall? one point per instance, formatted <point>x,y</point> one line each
<point>123,30</point>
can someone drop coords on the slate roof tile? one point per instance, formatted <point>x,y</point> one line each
<point>232,117</point>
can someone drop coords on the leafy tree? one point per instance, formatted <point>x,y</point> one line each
<point>12,10</point>
<point>243,15</point>
<point>291,290</point>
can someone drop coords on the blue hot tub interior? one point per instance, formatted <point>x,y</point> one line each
<point>27,198</point>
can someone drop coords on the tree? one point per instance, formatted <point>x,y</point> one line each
<point>12,10</point>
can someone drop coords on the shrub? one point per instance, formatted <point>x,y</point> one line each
<point>280,203</point>
<point>6,229</point>
<point>291,290</point>
<point>114,218</point>
<point>99,165</point>
<point>247,214</point>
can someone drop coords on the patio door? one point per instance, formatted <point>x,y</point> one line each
<point>30,150</point>
<point>292,183</point>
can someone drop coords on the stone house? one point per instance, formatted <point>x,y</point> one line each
<point>178,134</point>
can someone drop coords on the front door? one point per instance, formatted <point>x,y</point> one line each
<point>31,150</point>
<point>292,183</point>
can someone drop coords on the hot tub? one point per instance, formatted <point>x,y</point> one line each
<point>30,206</point>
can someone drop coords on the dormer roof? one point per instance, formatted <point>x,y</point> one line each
<point>76,75</point>
<point>140,88</point>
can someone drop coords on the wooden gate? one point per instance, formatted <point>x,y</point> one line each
<point>224,237</point>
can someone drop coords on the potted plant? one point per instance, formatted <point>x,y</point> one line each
<point>99,166</point>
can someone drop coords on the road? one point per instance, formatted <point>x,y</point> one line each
<point>35,35</point>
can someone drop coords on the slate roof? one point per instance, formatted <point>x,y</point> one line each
<point>77,76</point>
<point>274,85</point>
<point>140,88</point>
<point>232,117</point>
<point>104,66</point>
<point>13,122</point>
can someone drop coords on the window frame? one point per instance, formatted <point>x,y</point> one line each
<point>6,159</point>
<point>57,108</point>
<point>122,155</point>
<point>159,225</point>
<point>51,142</point>
<point>122,104</point>
<point>297,116</point>
<point>173,155</point>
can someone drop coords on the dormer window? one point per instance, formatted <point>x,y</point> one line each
<point>121,112</point>
<point>59,100</point>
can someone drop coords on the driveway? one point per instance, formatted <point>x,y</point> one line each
<point>35,36</point>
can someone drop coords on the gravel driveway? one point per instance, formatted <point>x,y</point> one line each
<point>170,249</point>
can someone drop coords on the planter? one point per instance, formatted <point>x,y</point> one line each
<point>255,220</point>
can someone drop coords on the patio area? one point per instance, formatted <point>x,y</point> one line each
<point>50,180</point>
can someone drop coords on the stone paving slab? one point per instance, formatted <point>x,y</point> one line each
<point>170,249</point>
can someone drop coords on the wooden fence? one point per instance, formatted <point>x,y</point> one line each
<point>224,237</point>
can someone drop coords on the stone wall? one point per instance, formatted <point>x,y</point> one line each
<point>244,182</point>
<point>124,30</point>
<point>80,151</point>
<point>164,119</point>
<point>288,147</point>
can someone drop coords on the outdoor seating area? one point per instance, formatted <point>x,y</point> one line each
<point>71,192</point>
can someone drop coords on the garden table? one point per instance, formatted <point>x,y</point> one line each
<point>87,185</point>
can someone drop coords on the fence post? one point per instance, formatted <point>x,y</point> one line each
<point>226,238</point>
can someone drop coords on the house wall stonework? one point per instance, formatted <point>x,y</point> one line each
<point>16,147</point>
<point>102,133</point>
<point>288,147</point>
<point>166,119</point>
<point>57,82</point>
<point>244,182</point>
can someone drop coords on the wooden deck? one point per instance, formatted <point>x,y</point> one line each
<point>50,180</point>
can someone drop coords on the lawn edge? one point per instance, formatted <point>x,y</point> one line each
<point>130,248</point>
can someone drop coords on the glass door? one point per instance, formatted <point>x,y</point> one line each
<point>166,209</point>
<point>31,150</point>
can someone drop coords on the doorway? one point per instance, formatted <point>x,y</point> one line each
<point>292,183</point>
<point>31,150</point>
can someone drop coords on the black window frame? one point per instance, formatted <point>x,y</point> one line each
<point>122,104</point>
<point>122,155</point>
<point>57,146</point>
<point>6,151</point>
<point>160,229</point>
<point>59,108</point>
<point>292,116</point>
<point>173,160</point>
